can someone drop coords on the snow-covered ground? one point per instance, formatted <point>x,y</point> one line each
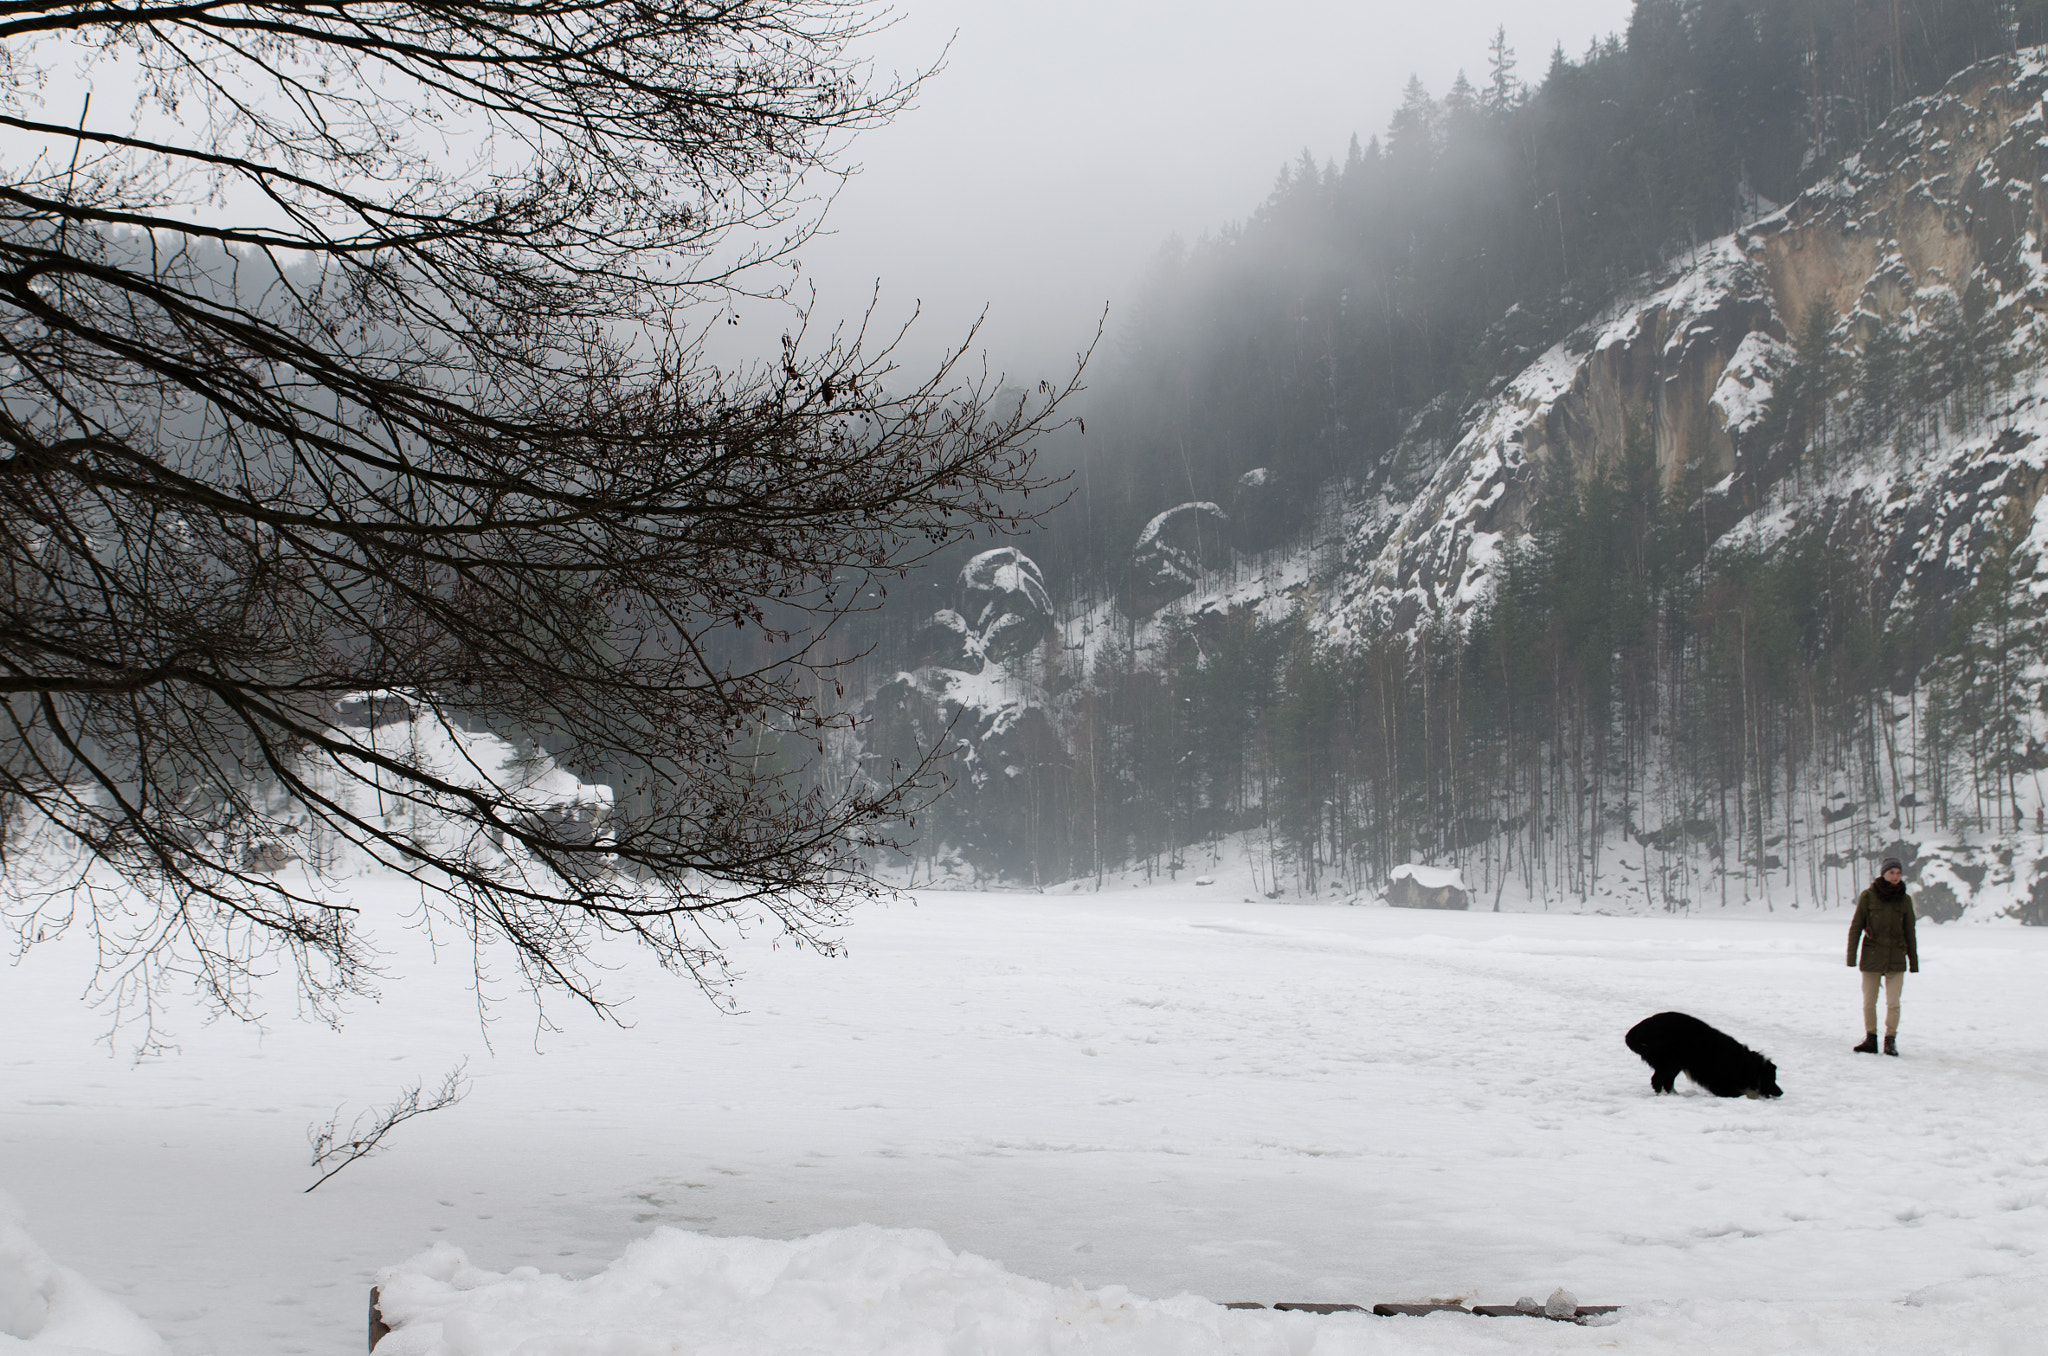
<point>1165,1090</point>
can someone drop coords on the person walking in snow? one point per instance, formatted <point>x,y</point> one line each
<point>1883,930</point>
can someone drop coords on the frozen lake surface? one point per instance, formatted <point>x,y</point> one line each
<point>1153,1089</point>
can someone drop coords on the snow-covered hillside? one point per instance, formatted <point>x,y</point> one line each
<point>1938,216</point>
<point>1856,375</point>
<point>1945,197</point>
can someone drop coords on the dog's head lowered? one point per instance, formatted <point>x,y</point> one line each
<point>1767,1086</point>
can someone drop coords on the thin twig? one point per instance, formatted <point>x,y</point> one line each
<point>366,1133</point>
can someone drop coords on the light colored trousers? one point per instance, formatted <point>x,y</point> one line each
<point>1892,982</point>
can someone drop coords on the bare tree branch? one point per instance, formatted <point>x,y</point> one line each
<point>302,423</point>
<point>366,1132</point>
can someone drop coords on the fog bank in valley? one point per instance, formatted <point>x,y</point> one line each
<point>1062,143</point>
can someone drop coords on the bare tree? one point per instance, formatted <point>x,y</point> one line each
<point>364,371</point>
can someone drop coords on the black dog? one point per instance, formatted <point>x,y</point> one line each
<point>1672,1043</point>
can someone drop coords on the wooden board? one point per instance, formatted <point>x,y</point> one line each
<point>1510,1311</point>
<point>379,1329</point>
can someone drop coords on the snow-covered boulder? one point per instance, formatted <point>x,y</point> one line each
<point>1937,902</point>
<point>1002,756</point>
<point>1005,602</point>
<point>945,641</point>
<point>1258,511</point>
<point>1171,554</point>
<point>1426,887</point>
<point>2033,910</point>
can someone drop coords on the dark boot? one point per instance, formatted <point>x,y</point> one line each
<point>1891,1045</point>
<point>1869,1046</point>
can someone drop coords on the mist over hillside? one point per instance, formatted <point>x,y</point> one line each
<point>1620,487</point>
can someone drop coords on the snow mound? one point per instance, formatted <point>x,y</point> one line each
<point>48,1310</point>
<point>852,1292</point>
<point>847,1291</point>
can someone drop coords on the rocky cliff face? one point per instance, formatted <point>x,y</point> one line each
<point>972,693</point>
<point>1931,238</point>
<point>1936,228</point>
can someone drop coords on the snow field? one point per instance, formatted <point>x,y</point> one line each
<point>1152,1092</point>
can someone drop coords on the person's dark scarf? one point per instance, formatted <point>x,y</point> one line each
<point>1887,891</point>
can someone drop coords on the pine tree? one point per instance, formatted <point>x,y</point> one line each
<point>1503,91</point>
<point>1413,131</point>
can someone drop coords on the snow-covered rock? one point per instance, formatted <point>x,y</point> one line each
<point>1171,554</point>
<point>989,729</point>
<point>1410,886</point>
<point>1653,368</point>
<point>944,640</point>
<point>1258,510</point>
<point>1004,598</point>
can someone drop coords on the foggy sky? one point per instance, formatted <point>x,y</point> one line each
<point>1065,140</point>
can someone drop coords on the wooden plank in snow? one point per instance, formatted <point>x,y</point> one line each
<point>1515,1311</point>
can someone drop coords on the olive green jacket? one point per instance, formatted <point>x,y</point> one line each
<point>1884,928</point>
